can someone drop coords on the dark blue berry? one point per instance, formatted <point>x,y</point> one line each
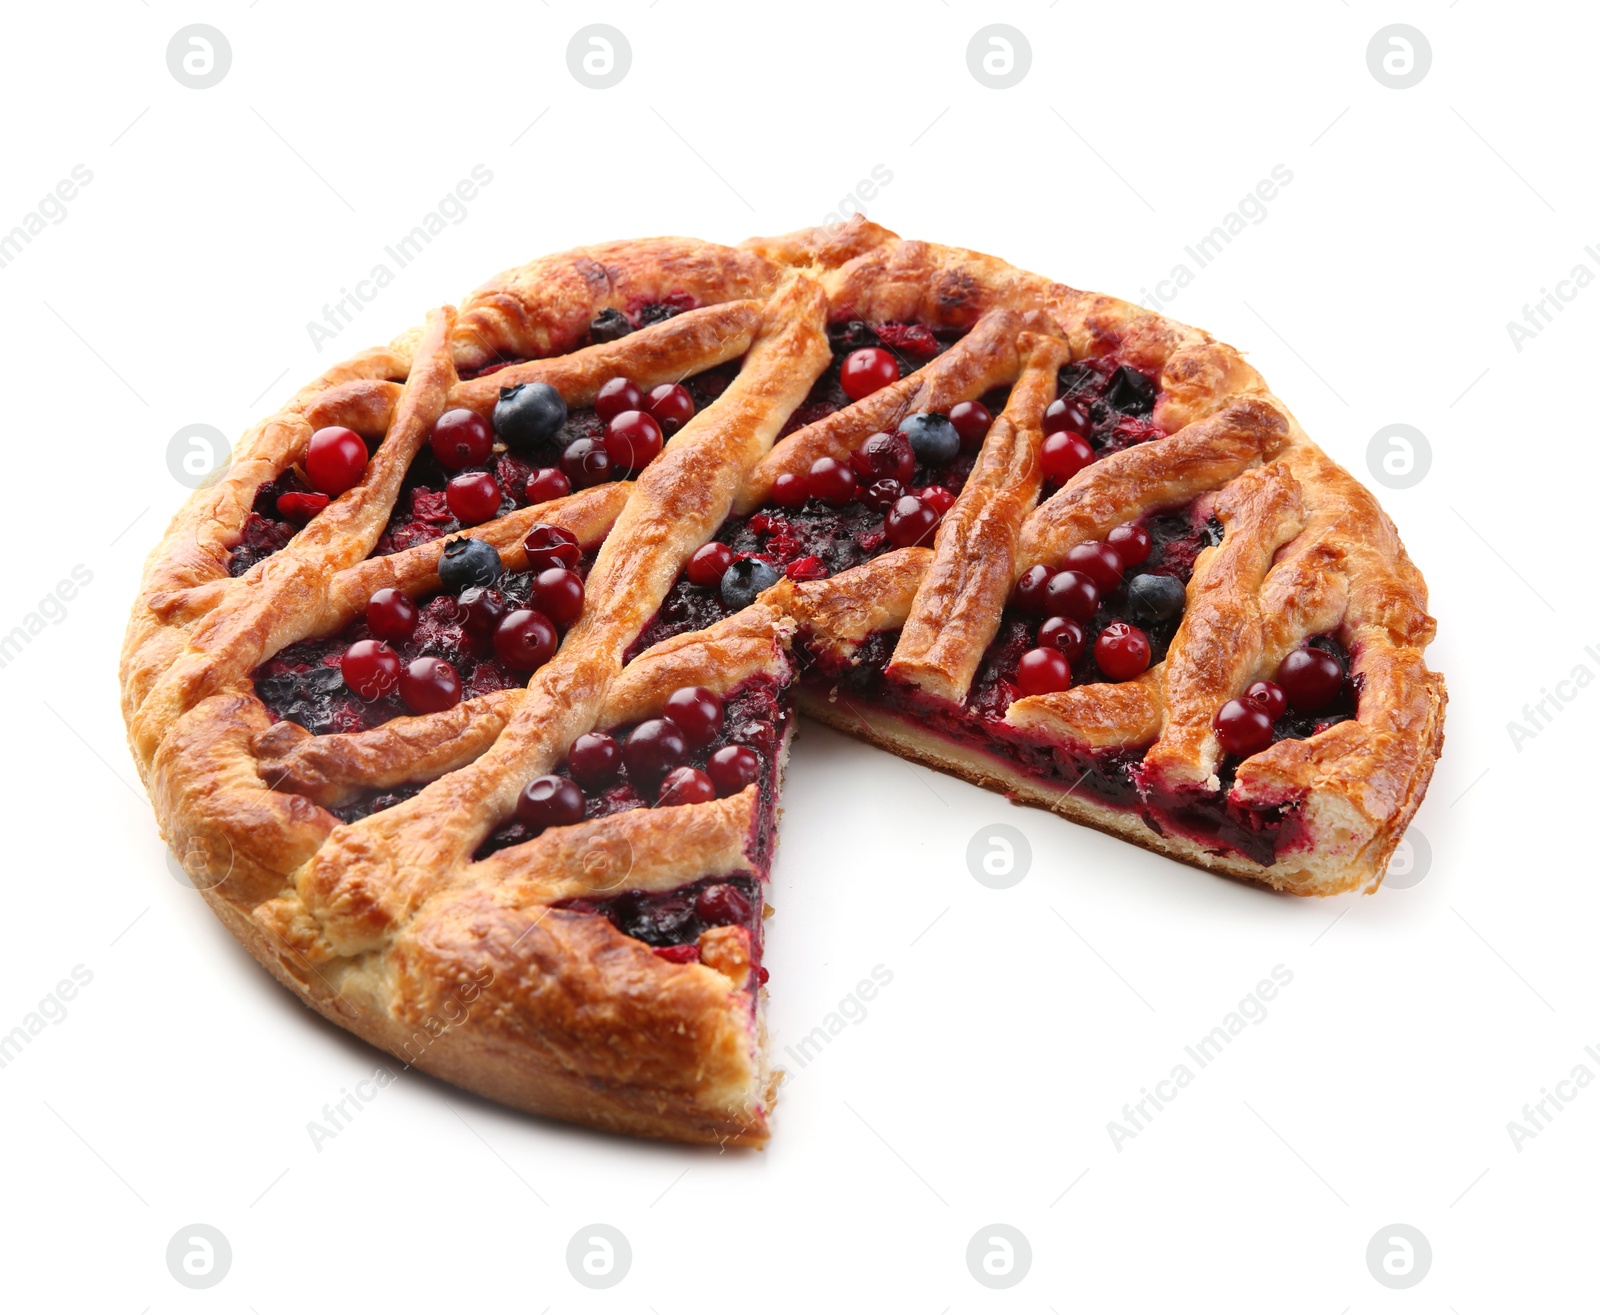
<point>933,438</point>
<point>468,562</point>
<point>608,326</point>
<point>1155,597</point>
<point>528,414</point>
<point>746,578</point>
<point>1131,392</point>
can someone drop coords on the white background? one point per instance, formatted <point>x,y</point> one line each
<point>979,1086</point>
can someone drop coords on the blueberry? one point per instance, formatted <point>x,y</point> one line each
<point>468,562</point>
<point>528,414</point>
<point>1131,392</point>
<point>933,438</point>
<point>608,326</point>
<point>746,578</point>
<point>1155,597</point>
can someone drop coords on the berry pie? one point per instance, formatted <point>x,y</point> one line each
<point>465,690</point>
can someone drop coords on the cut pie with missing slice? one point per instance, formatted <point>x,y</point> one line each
<point>465,691</point>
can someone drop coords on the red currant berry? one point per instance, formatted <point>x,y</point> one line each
<point>1274,702</point>
<point>633,440</point>
<point>1066,415</point>
<point>685,785</point>
<point>546,484</point>
<point>558,593</point>
<point>790,490</point>
<point>1071,593</point>
<point>616,396</point>
<point>548,801</point>
<point>480,611</point>
<point>371,669</point>
<point>722,905</point>
<point>909,522</point>
<point>301,507</point>
<point>1242,728</point>
<point>336,458</point>
<point>972,421</point>
<point>831,481</point>
<point>473,499</point>
<point>653,749</point>
<point>732,768</point>
<point>709,563</point>
<point>884,456</point>
<point>429,684</point>
<point>938,497</point>
<point>1122,651</point>
<point>391,615</point>
<point>1043,671</point>
<point>866,371</point>
<point>550,545</point>
<point>671,405</point>
<point>525,640</point>
<point>882,494</point>
<point>595,760</point>
<point>1030,590</point>
<point>1310,678</point>
<point>1131,543</point>
<point>1064,635</point>
<point>695,711</point>
<point>461,438</point>
<point>1063,455</point>
<point>1099,561</point>
<point>586,463</point>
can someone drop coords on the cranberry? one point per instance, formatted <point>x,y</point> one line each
<point>1030,591</point>
<point>867,370</point>
<point>595,760</point>
<point>525,640</point>
<point>882,494</point>
<point>653,749</point>
<point>695,711</point>
<point>884,456</point>
<point>371,669</point>
<point>1064,635</point>
<point>1063,455</point>
<point>1099,561</point>
<point>616,396</point>
<point>586,463</point>
<point>633,440</point>
<point>910,521</point>
<point>685,785</point>
<point>671,405</point>
<point>461,438</point>
<point>722,905</point>
<point>938,497</point>
<point>336,458</point>
<point>810,567</point>
<point>550,545</point>
<point>1066,415</point>
<point>480,611</point>
<point>1131,542</point>
<point>709,563</point>
<point>1271,697</point>
<point>391,615</point>
<point>546,484</point>
<point>1122,651</point>
<point>790,490</point>
<point>473,499</point>
<point>1071,593</point>
<point>301,507</point>
<point>1242,728</point>
<point>677,953</point>
<point>1043,671</point>
<point>1311,678</point>
<point>549,801</point>
<point>558,593</point>
<point>831,481</point>
<point>972,421</point>
<point>732,768</point>
<point>430,684</point>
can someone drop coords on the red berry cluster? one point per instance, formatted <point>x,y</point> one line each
<point>1066,449</point>
<point>637,424</point>
<point>1308,680</point>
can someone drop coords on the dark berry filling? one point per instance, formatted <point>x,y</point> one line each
<point>267,529</point>
<point>670,921</point>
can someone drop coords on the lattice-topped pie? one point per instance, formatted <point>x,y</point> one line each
<point>466,688</point>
